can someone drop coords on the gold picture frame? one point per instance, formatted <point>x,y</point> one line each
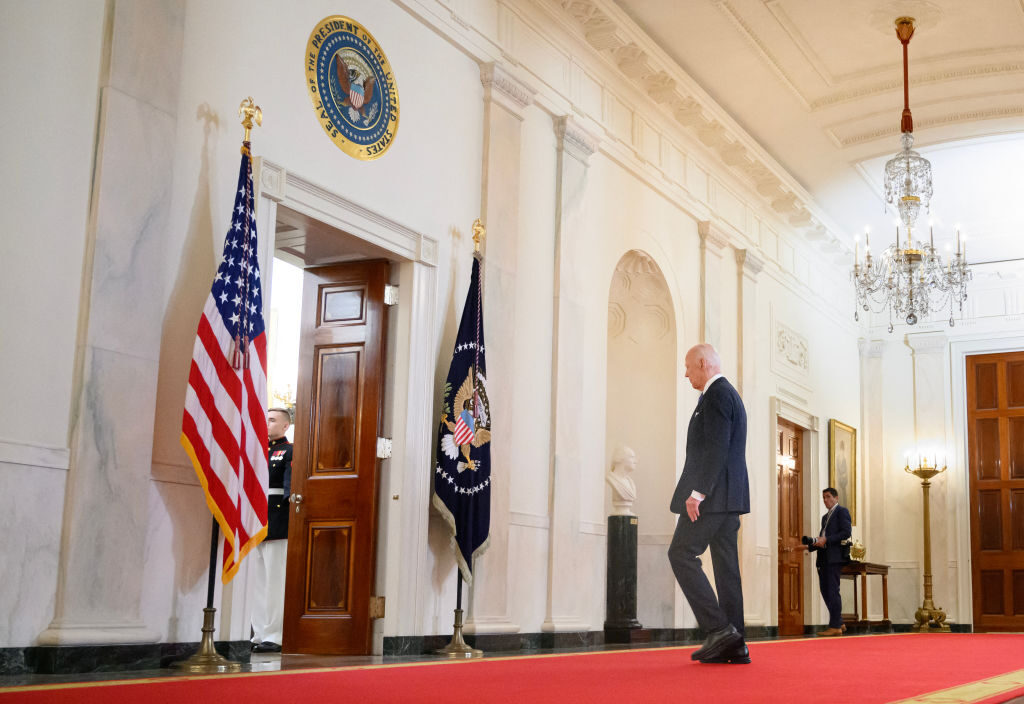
<point>842,464</point>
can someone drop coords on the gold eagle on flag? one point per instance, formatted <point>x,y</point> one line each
<point>469,427</point>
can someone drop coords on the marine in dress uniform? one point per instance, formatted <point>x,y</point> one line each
<point>272,553</point>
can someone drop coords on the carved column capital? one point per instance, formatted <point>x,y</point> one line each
<point>574,139</point>
<point>502,87</point>
<point>871,348</point>
<point>750,263</point>
<point>927,342</point>
<point>712,237</point>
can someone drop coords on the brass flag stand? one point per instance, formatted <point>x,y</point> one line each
<point>207,660</point>
<point>929,618</point>
<point>458,648</point>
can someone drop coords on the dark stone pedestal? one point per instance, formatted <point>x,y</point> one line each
<point>620,624</point>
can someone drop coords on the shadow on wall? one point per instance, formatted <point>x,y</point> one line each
<point>196,270</point>
<point>438,532</point>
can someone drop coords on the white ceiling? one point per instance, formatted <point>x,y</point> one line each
<point>818,83</point>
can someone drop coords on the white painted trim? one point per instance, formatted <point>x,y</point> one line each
<point>408,406</point>
<point>33,455</point>
<point>277,184</point>
<point>654,539</point>
<point>592,528</point>
<point>529,520</point>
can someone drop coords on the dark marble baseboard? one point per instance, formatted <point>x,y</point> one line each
<point>503,642</point>
<point>74,659</point>
<point>953,627</point>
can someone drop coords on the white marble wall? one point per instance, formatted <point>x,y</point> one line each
<point>106,517</point>
<point>31,498</point>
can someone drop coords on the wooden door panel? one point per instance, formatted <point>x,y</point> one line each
<point>331,537</point>
<point>995,437</point>
<point>790,507</point>
<point>337,410</point>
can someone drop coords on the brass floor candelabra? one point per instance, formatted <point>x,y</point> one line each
<point>928,617</point>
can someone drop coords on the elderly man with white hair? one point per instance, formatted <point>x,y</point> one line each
<point>712,493</point>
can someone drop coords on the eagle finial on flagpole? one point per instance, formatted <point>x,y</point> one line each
<point>248,110</point>
<point>479,233</point>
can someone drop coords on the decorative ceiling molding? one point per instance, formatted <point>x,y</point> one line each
<point>920,125</point>
<point>613,35</point>
<point>840,95</point>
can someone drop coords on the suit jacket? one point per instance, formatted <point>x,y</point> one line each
<point>716,445</point>
<point>837,530</point>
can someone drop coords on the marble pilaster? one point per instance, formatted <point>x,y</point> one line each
<point>931,373</point>
<point>712,246</point>
<point>505,100</point>
<point>871,521</point>
<point>748,267</point>
<point>563,612</point>
<point>105,510</point>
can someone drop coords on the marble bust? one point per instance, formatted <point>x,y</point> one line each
<point>622,484</point>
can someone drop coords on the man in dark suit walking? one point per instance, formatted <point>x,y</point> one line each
<point>712,493</point>
<point>832,555</point>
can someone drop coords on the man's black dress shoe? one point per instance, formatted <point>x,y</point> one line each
<point>736,655</point>
<point>266,647</point>
<point>718,641</point>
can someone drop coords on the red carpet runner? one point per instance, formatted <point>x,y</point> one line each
<point>907,667</point>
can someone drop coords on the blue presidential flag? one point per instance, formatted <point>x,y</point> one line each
<point>462,475</point>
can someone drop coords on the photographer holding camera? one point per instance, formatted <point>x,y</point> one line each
<point>833,548</point>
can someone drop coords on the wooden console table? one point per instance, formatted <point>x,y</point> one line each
<point>858,620</point>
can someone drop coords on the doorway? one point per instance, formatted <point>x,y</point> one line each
<point>790,472</point>
<point>328,328</point>
<point>312,226</point>
<point>995,446</point>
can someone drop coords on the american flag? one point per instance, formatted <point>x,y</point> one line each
<point>224,428</point>
<point>464,428</point>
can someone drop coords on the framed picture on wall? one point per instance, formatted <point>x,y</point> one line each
<point>842,464</point>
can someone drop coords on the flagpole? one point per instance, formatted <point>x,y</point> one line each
<point>207,660</point>
<point>458,648</point>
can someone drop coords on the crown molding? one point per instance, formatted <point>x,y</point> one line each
<point>638,58</point>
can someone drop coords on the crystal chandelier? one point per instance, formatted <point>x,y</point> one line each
<point>909,281</point>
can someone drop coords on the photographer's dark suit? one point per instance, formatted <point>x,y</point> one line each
<point>716,467</point>
<point>830,560</point>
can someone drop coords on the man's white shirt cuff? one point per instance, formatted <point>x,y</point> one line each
<point>697,495</point>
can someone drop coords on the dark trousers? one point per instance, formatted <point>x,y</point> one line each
<point>828,582</point>
<point>691,539</point>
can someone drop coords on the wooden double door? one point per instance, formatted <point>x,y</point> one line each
<point>995,439</point>
<point>790,471</point>
<point>333,520</point>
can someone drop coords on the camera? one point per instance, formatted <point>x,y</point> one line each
<point>808,541</point>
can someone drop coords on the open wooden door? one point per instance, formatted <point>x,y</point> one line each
<point>791,523</point>
<point>331,534</point>
<point>995,442</point>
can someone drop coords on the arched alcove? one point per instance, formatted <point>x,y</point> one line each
<point>641,414</point>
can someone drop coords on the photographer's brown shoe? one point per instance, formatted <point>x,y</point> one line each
<point>829,632</point>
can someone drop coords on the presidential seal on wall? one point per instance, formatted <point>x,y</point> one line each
<point>352,87</point>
